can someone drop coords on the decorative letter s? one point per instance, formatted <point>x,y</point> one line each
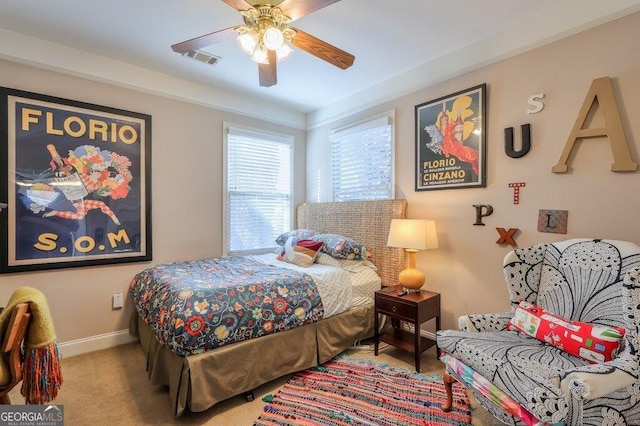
<point>537,105</point>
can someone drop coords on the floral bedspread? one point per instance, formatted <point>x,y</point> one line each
<point>197,306</point>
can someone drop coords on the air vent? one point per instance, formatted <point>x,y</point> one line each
<point>202,56</point>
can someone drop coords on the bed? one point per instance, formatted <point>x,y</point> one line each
<point>198,381</point>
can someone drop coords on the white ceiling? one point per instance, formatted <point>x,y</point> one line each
<point>400,46</point>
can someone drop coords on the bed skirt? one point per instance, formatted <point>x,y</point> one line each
<point>198,382</point>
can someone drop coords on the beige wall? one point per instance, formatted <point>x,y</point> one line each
<point>466,269</point>
<point>186,197</point>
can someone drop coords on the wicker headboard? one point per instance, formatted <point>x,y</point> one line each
<point>366,222</point>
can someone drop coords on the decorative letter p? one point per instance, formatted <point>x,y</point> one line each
<point>488,210</point>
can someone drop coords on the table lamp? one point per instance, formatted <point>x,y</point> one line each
<point>412,235</point>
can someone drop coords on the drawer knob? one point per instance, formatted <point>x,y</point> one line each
<point>393,308</point>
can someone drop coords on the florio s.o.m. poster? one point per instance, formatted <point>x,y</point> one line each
<point>76,182</point>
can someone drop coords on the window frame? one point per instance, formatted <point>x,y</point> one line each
<point>359,126</point>
<point>282,138</point>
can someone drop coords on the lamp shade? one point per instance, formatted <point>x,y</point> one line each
<point>283,52</point>
<point>260,55</point>
<point>248,42</point>
<point>273,38</point>
<point>414,234</point>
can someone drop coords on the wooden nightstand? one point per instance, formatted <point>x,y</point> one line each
<point>414,308</point>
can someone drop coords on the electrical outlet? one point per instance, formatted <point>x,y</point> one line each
<point>118,301</point>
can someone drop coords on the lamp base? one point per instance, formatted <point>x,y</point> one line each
<point>411,279</point>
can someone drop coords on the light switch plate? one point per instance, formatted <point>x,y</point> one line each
<point>118,301</point>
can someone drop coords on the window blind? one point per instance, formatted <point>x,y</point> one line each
<point>362,161</point>
<point>258,189</point>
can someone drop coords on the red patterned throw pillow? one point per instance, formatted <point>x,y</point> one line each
<point>593,342</point>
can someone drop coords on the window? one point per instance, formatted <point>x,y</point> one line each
<point>258,189</point>
<point>362,160</point>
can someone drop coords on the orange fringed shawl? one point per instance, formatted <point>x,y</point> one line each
<point>42,376</point>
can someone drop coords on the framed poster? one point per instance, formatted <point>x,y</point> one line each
<point>451,141</point>
<point>76,179</point>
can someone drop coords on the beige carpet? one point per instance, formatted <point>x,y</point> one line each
<point>110,387</point>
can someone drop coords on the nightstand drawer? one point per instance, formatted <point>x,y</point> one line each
<point>396,308</point>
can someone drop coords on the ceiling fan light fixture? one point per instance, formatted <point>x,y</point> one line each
<point>267,38</point>
<point>273,38</point>
<point>248,42</point>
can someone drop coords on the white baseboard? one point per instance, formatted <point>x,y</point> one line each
<point>428,334</point>
<point>424,333</point>
<point>95,343</point>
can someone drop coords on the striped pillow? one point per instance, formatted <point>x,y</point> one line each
<point>300,252</point>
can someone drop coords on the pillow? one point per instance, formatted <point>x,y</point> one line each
<point>301,234</point>
<point>593,342</point>
<point>346,264</point>
<point>300,252</point>
<point>341,247</point>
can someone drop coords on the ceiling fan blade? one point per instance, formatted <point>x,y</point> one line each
<point>267,72</point>
<point>296,9</point>
<point>323,50</point>
<point>238,4</point>
<point>204,40</point>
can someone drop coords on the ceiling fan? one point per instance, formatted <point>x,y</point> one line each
<point>266,35</point>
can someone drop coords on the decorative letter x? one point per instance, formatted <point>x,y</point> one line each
<point>506,237</point>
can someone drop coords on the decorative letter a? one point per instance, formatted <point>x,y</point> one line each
<point>602,91</point>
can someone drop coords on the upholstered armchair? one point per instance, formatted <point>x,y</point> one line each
<point>567,351</point>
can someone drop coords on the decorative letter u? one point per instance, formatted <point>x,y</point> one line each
<point>526,141</point>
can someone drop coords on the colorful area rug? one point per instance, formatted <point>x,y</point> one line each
<point>350,391</point>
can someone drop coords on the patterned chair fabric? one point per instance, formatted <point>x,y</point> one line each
<point>588,280</point>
